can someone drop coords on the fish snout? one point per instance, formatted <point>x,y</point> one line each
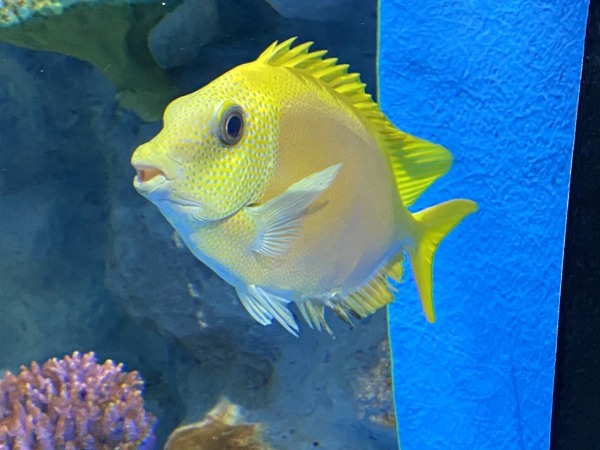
<point>152,168</point>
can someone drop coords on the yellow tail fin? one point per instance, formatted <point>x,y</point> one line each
<point>434,224</point>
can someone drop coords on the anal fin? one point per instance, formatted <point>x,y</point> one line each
<point>264,306</point>
<point>314,315</point>
<point>377,292</point>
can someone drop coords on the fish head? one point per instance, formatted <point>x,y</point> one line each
<point>215,152</point>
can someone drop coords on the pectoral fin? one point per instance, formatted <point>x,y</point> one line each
<point>278,220</point>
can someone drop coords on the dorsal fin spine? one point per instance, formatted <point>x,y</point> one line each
<point>280,49</point>
<point>299,49</point>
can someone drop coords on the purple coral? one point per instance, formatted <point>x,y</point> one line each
<point>74,403</point>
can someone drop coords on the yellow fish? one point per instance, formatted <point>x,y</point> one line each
<point>286,179</point>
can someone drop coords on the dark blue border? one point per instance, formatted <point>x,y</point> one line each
<point>576,416</point>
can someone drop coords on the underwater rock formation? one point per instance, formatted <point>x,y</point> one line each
<point>18,88</point>
<point>315,10</point>
<point>222,428</point>
<point>88,263</point>
<point>111,35</point>
<point>74,403</point>
<point>178,37</point>
<point>373,390</point>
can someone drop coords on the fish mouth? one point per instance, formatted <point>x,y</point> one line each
<point>148,178</point>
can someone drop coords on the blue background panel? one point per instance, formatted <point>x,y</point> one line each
<point>496,83</point>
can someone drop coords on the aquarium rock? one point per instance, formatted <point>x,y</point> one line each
<point>315,9</point>
<point>88,263</point>
<point>179,36</point>
<point>373,389</point>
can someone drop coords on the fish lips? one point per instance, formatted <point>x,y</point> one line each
<point>152,173</point>
<point>148,179</point>
<point>154,169</point>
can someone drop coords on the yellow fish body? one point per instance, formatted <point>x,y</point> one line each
<point>285,178</point>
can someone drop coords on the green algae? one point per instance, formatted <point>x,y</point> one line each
<point>113,37</point>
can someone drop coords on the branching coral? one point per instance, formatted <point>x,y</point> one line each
<point>74,403</point>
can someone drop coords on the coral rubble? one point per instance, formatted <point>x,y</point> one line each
<point>373,390</point>
<point>221,429</point>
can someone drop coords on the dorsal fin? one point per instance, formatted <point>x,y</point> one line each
<point>416,163</point>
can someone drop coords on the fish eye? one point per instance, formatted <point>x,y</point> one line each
<point>231,125</point>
